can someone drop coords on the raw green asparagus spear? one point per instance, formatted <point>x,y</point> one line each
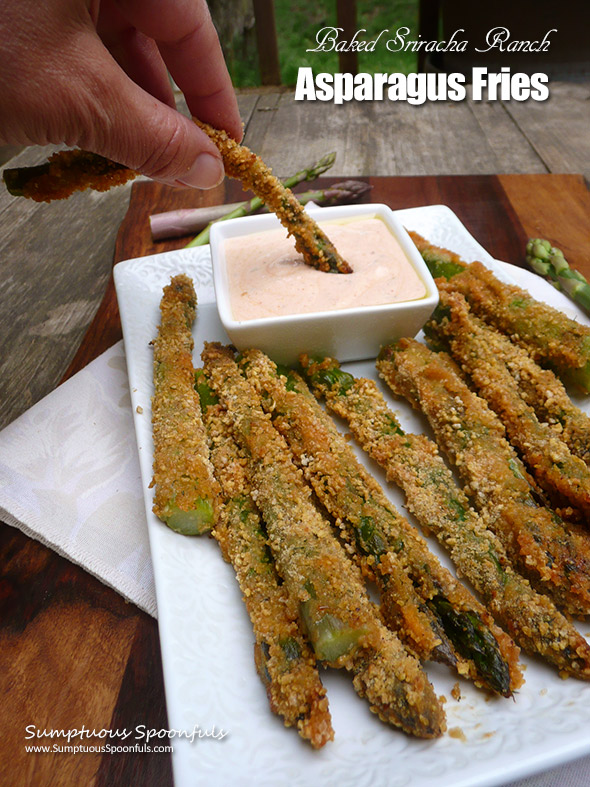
<point>187,494</point>
<point>359,505</point>
<point>554,558</point>
<point>549,262</point>
<point>326,588</point>
<point>176,223</point>
<point>283,658</point>
<point>478,349</point>
<point>310,240</point>
<point>414,464</point>
<point>552,339</point>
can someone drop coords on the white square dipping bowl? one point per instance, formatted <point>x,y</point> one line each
<point>349,334</point>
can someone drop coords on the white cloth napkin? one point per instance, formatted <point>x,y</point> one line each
<point>69,477</point>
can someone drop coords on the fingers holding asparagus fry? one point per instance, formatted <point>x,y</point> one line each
<point>310,240</point>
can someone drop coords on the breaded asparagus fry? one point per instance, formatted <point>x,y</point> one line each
<point>324,586</point>
<point>187,493</point>
<point>556,560</point>
<point>479,350</point>
<point>283,658</point>
<point>546,394</point>
<point>414,464</point>
<point>359,505</point>
<point>442,263</point>
<point>552,339</point>
<point>64,173</point>
<point>310,240</point>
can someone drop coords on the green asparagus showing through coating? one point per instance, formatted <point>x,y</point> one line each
<point>283,658</point>
<point>325,587</point>
<point>549,262</point>
<point>250,206</point>
<point>310,240</point>
<point>415,465</point>
<point>358,504</point>
<point>478,349</point>
<point>187,494</point>
<point>542,390</point>
<point>555,559</point>
<point>64,173</point>
<point>553,340</point>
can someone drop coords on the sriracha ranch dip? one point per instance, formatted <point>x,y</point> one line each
<point>268,278</point>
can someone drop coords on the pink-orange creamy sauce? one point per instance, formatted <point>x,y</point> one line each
<point>268,278</point>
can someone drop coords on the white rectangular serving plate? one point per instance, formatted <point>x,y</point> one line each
<point>206,637</point>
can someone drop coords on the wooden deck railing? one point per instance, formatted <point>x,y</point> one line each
<point>346,18</point>
<point>268,49</point>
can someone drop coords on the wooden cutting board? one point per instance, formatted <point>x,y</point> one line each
<point>72,652</point>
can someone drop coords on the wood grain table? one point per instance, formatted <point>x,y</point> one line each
<point>72,652</point>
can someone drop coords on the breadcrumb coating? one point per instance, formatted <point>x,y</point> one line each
<point>343,626</point>
<point>551,338</point>
<point>244,165</point>
<point>64,173</point>
<point>284,659</point>
<point>478,349</point>
<point>554,559</point>
<point>415,465</point>
<point>355,499</point>
<point>187,494</point>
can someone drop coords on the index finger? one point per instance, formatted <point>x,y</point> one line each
<point>189,46</point>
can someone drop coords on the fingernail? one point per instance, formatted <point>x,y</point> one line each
<point>205,173</point>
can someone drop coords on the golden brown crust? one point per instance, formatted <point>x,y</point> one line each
<point>244,165</point>
<point>67,171</point>
<point>354,499</point>
<point>325,585</point>
<point>283,658</point>
<point>187,494</point>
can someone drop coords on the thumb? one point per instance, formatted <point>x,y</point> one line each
<point>132,127</point>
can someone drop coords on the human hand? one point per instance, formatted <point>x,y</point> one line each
<point>93,74</point>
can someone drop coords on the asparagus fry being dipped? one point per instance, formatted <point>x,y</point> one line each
<point>187,493</point>
<point>555,559</point>
<point>310,240</point>
<point>283,658</point>
<point>359,506</point>
<point>325,587</point>
<point>413,463</point>
<point>479,350</point>
<point>552,339</point>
